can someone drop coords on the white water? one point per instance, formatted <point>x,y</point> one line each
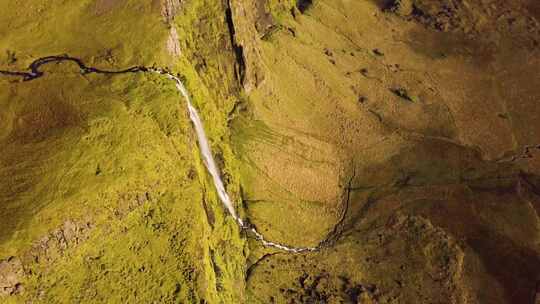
<point>204,147</point>
<point>210,164</point>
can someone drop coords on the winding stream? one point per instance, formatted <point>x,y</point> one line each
<point>204,147</point>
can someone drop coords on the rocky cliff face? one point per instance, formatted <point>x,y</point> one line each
<point>407,130</point>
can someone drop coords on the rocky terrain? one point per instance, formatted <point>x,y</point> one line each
<point>400,137</point>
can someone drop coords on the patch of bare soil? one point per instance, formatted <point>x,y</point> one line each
<point>54,244</point>
<point>11,272</point>
<point>169,9</point>
<point>173,44</point>
<point>44,251</point>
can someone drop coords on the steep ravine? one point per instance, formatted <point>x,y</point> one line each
<point>35,72</point>
<point>206,153</point>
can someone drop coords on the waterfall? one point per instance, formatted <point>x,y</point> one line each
<point>204,147</point>
<point>212,168</point>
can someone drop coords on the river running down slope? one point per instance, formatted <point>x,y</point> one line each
<point>204,146</point>
<point>210,164</point>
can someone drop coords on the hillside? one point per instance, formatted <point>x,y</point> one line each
<point>397,140</point>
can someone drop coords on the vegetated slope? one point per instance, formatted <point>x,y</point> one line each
<point>104,197</point>
<point>417,120</point>
<point>432,111</point>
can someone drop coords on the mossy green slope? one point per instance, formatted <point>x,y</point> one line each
<point>115,157</point>
<point>405,121</point>
<point>103,33</point>
<point>115,152</point>
<point>346,107</point>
